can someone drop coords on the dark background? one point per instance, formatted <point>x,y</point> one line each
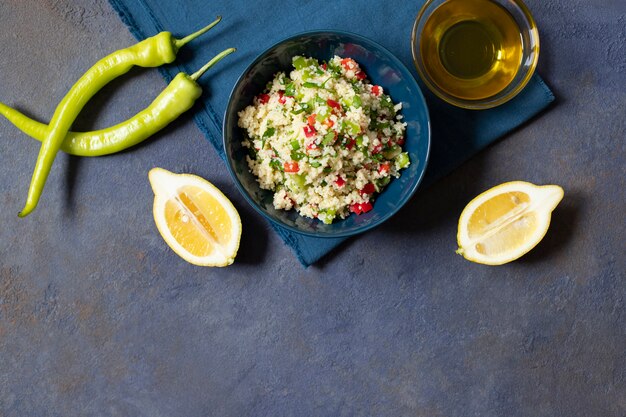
<point>99,317</point>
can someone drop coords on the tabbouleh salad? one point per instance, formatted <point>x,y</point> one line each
<point>324,139</point>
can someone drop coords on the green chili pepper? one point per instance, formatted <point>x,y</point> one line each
<point>178,97</point>
<point>152,52</point>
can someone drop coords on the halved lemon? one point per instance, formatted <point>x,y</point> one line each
<point>506,221</point>
<point>194,218</point>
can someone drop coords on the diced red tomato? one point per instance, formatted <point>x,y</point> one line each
<point>360,75</point>
<point>281,97</point>
<point>400,141</point>
<point>384,167</point>
<point>360,208</point>
<point>376,90</point>
<point>328,122</point>
<point>311,119</point>
<point>324,66</point>
<point>368,189</point>
<point>309,131</point>
<point>264,98</point>
<point>365,207</point>
<point>312,146</point>
<point>333,104</point>
<point>291,166</point>
<point>350,143</point>
<point>377,149</point>
<point>340,182</point>
<point>348,64</point>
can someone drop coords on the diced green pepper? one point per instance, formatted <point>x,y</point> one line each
<point>402,160</point>
<point>328,215</point>
<point>296,156</point>
<point>300,62</point>
<point>356,101</point>
<point>290,89</point>
<point>310,85</point>
<point>295,144</point>
<point>315,164</point>
<point>352,128</point>
<point>329,138</point>
<point>298,182</point>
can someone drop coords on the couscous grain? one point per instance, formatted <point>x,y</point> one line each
<point>324,139</point>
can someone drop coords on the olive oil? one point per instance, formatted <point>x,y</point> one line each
<point>471,49</point>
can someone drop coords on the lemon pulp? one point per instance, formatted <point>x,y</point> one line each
<point>194,218</point>
<point>507,221</point>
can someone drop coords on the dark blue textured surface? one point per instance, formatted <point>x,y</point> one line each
<point>99,317</point>
<point>453,142</point>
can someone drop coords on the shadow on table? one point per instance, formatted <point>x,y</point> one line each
<point>435,205</point>
<point>562,227</point>
<point>254,237</point>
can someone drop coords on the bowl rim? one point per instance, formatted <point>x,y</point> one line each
<point>389,214</point>
<point>488,102</point>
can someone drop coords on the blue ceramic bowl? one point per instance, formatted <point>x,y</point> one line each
<point>383,69</point>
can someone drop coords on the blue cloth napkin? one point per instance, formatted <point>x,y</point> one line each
<point>253,26</point>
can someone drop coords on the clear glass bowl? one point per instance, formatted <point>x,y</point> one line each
<point>530,55</point>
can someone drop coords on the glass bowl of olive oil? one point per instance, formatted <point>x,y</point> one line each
<point>475,54</point>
